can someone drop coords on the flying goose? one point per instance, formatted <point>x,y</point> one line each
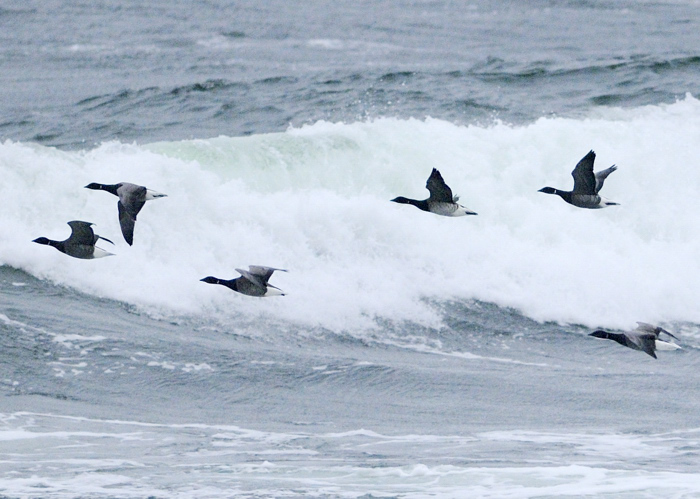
<point>80,244</point>
<point>252,282</point>
<point>586,185</point>
<point>440,202</point>
<point>132,197</point>
<point>645,338</point>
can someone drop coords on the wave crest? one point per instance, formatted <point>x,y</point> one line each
<point>315,200</point>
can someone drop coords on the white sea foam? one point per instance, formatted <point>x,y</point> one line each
<point>315,200</point>
<point>63,456</point>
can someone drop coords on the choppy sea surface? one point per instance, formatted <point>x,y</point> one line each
<point>413,356</point>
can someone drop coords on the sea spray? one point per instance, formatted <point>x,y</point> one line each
<point>315,200</point>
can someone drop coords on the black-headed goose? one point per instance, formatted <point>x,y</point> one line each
<point>132,197</point>
<point>440,202</point>
<point>644,338</point>
<point>80,244</point>
<point>587,185</point>
<point>252,282</point>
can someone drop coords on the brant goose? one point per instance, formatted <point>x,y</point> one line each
<point>586,185</point>
<point>440,202</point>
<point>132,197</point>
<point>80,244</point>
<point>252,282</point>
<point>644,338</point>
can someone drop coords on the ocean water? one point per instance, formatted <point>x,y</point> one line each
<point>413,356</point>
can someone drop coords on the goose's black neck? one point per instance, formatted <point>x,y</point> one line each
<point>112,188</point>
<point>565,195</point>
<point>620,338</point>
<point>231,284</point>
<point>420,204</point>
<point>59,245</point>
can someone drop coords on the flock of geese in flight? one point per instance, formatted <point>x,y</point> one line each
<point>254,282</point>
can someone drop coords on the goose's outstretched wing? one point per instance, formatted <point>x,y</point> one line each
<point>439,190</point>
<point>81,233</point>
<point>132,197</point>
<point>646,343</point>
<point>584,179</point>
<point>255,279</point>
<point>126,222</point>
<point>601,176</point>
<point>643,327</point>
<point>263,272</point>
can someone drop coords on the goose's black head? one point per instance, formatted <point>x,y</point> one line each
<point>548,190</point>
<point>402,200</point>
<point>210,280</point>
<point>42,240</point>
<point>600,334</point>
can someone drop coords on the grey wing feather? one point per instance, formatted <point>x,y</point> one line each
<point>647,343</point>
<point>264,272</point>
<point>601,176</point>
<point>126,222</point>
<point>81,233</point>
<point>643,327</point>
<point>439,190</point>
<point>133,197</point>
<point>253,278</point>
<point>249,288</point>
<point>584,179</point>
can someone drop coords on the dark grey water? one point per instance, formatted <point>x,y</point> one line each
<point>410,359</point>
<point>77,74</point>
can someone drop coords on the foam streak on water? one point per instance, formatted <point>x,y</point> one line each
<point>56,455</point>
<point>314,200</point>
